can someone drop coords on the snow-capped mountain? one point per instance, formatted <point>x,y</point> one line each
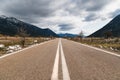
<point>3,16</point>
<point>10,25</point>
<point>11,19</point>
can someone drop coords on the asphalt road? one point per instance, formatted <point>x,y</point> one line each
<point>60,59</point>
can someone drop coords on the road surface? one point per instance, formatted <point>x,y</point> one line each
<point>60,59</point>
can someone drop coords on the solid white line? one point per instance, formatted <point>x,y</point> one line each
<point>6,55</point>
<point>98,49</point>
<point>55,67</point>
<point>64,65</point>
<point>115,54</point>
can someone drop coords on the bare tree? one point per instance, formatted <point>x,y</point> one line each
<point>81,34</point>
<point>23,34</point>
<point>108,34</point>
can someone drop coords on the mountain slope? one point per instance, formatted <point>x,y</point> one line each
<point>10,25</point>
<point>113,26</point>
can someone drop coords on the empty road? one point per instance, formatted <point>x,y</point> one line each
<point>60,59</point>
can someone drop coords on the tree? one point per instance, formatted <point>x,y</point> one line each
<point>23,34</point>
<point>108,34</point>
<point>81,34</point>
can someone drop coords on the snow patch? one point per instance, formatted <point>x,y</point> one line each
<point>11,49</point>
<point>2,45</point>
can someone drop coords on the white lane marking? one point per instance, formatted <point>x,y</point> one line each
<point>55,67</point>
<point>115,54</point>
<point>64,65</point>
<point>111,53</point>
<point>23,49</point>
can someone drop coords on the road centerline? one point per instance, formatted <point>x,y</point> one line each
<point>56,63</point>
<point>64,65</point>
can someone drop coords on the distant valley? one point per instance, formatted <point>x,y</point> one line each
<point>67,35</point>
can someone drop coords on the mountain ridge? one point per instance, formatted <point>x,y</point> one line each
<point>9,26</point>
<point>113,26</point>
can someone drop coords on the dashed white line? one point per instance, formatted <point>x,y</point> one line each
<point>64,65</point>
<point>55,67</point>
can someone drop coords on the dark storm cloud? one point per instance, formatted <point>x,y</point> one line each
<point>91,5</point>
<point>33,10</point>
<point>115,13</point>
<point>29,10</point>
<point>65,27</point>
<point>91,17</point>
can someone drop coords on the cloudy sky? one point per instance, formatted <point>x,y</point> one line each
<point>63,16</point>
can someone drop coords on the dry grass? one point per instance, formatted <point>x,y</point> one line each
<point>10,41</point>
<point>108,44</point>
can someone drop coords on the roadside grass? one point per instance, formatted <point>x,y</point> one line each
<point>107,44</point>
<point>12,41</point>
<point>2,51</point>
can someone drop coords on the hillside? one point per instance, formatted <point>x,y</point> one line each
<point>113,26</point>
<point>10,25</point>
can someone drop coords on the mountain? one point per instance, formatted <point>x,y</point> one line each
<point>67,35</point>
<point>10,25</point>
<point>113,26</point>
